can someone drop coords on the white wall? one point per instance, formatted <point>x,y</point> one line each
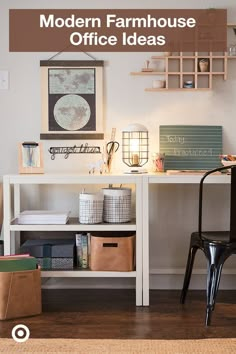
<point>125,102</point>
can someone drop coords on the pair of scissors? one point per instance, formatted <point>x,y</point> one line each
<point>111,148</point>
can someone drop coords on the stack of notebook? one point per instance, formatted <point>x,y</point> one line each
<point>17,263</point>
<point>43,217</point>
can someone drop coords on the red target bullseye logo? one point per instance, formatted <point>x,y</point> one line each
<point>20,333</point>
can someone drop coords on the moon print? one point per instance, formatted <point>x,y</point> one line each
<point>72,112</point>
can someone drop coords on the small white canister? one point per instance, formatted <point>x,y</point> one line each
<point>90,208</point>
<point>117,205</point>
<point>158,84</point>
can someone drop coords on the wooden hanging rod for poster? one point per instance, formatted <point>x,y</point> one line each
<point>71,63</point>
<point>60,136</point>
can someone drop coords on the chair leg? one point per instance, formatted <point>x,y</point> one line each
<point>213,280</point>
<point>216,256</point>
<point>188,272</point>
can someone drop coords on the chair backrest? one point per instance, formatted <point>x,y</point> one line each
<point>232,199</point>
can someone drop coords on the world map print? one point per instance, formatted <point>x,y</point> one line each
<point>71,81</point>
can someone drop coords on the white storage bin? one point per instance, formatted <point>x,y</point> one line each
<point>90,208</point>
<point>117,205</point>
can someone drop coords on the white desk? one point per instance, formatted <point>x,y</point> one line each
<point>163,178</point>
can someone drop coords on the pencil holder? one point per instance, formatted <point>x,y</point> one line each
<point>158,160</point>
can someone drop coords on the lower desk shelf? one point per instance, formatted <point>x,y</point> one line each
<point>75,273</point>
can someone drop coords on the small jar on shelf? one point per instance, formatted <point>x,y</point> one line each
<point>203,65</point>
<point>188,84</point>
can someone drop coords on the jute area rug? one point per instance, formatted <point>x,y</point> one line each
<point>98,346</point>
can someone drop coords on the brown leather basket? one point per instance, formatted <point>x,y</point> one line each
<point>20,294</point>
<point>112,253</point>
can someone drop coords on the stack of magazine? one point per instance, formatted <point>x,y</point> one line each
<point>16,263</point>
<point>83,250</point>
<point>43,217</point>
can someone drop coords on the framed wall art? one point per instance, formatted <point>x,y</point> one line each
<point>72,99</point>
<point>30,157</point>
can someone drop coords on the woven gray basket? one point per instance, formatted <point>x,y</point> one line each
<point>90,208</point>
<point>117,205</point>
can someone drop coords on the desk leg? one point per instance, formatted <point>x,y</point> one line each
<point>16,240</point>
<point>7,215</point>
<point>145,241</point>
<point>139,236</point>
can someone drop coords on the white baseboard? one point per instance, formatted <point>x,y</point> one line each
<point>172,278</point>
<point>196,271</point>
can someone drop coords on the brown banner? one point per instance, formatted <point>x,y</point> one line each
<point>118,30</point>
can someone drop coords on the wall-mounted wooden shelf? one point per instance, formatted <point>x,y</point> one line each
<point>181,67</point>
<point>148,73</point>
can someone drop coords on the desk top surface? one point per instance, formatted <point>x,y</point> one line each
<point>71,178</point>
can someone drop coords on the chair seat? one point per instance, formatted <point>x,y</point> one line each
<point>214,236</point>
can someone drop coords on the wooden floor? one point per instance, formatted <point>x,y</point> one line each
<point>113,314</point>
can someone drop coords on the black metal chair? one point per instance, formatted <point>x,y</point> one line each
<point>216,245</point>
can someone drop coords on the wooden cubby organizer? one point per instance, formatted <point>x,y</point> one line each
<point>183,67</point>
